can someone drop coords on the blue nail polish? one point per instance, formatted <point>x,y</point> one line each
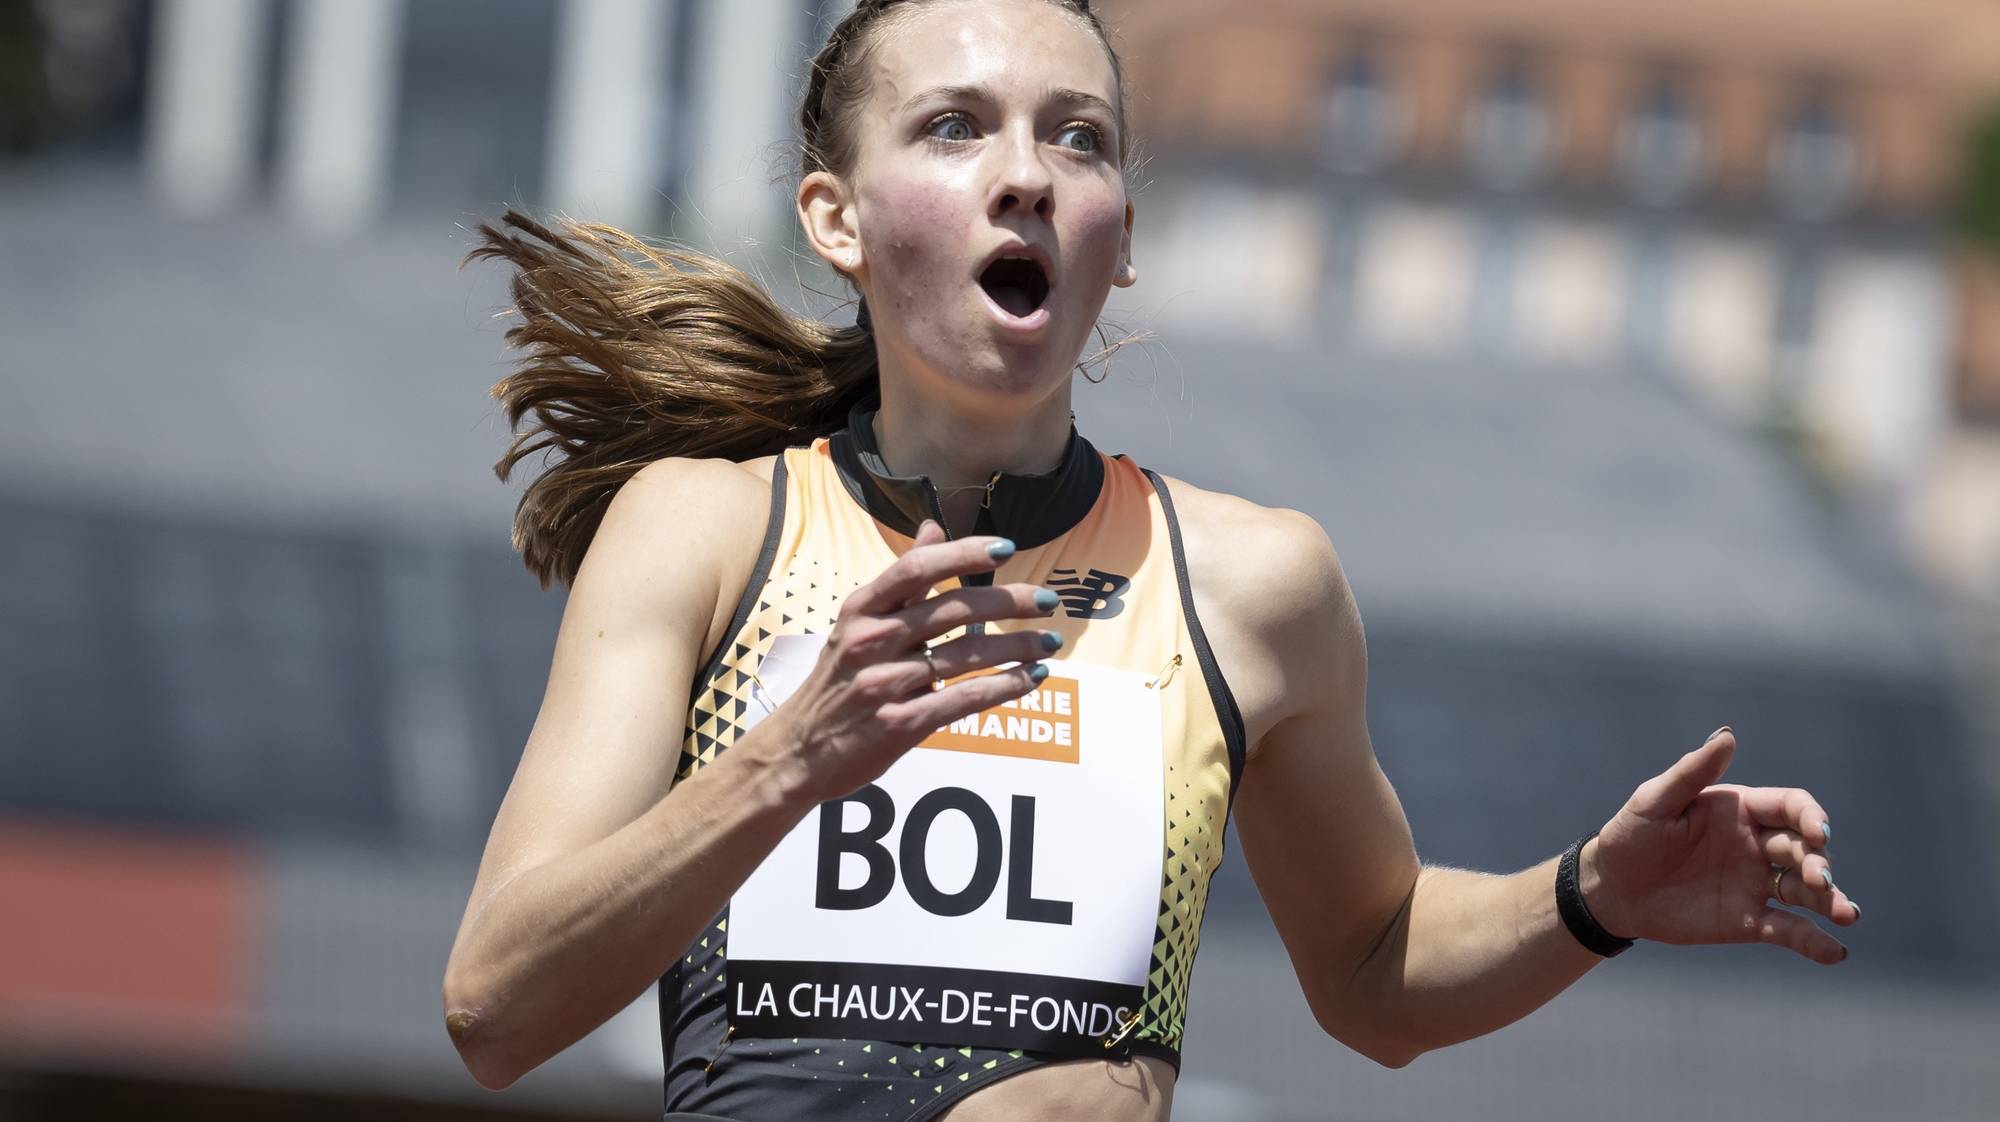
<point>1827,875</point>
<point>1046,599</point>
<point>1051,641</point>
<point>1000,550</point>
<point>1826,830</point>
<point>1038,672</point>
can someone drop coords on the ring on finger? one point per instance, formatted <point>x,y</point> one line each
<point>1778,884</point>
<point>930,661</point>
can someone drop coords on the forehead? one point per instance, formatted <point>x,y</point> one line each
<point>1002,45</point>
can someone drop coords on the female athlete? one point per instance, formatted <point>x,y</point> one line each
<point>963,704</point>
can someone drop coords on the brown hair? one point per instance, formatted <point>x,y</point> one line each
<point>634,352</point>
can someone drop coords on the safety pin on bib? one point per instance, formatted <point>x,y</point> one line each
<point>1124,1030</point>
<point>1166,672</point>
<point>760,694</point>
<point>717,1058</point>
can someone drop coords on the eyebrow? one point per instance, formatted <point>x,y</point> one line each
<point>1068,98</point>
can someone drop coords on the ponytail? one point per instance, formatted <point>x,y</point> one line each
<point>631,353</point>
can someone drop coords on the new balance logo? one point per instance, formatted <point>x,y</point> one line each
<point>1094,596</point>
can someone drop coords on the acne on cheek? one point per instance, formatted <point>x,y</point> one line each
<point>906,217</point>
<point>917,239</point>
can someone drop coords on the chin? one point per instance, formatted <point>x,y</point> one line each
<point>1020,374</point>
<point>973,355</point>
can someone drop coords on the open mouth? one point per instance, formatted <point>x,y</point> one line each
<point>1017,284</point>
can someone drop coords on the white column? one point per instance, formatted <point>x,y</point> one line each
<point>1722,300</point>
<point>1413,285</point>
<point>1880,371</point>
<point>1568,296</point>
<point>737,185</point>
<point>606,127</point>
<point>341,76</point>
<point>203,102</point>
<point>1238,259</point>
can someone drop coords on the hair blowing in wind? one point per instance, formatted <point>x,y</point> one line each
<point>632,351</point>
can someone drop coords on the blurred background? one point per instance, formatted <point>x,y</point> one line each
<point>1643,363</point>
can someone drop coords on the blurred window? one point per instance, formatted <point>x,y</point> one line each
<point>70,74</point>
<point>1367,125</point>
<point>1815,161</point>
<point>1509,130</point>
<point>184,671</point>
<point>472,119</point>
<point>1660,152</point>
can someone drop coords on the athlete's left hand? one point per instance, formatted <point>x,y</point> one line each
<point>1689,860</point>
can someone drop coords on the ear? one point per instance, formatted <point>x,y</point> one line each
<point>826,215</point>
<point>1128,273</point>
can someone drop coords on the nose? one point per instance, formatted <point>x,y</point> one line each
<point>1023,184</point>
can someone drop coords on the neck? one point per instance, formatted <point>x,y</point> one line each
<point>957,449</point>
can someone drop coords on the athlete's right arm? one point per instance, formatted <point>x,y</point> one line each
<point>600,870</point>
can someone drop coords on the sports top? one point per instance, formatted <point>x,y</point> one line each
<point>1025,886</point>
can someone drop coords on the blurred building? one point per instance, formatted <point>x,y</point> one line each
<point>1750,201</point>
<point>1508,296</point>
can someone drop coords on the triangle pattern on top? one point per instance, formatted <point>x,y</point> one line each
<point>789,603</point>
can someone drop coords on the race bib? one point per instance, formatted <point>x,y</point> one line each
<point>998,886</point>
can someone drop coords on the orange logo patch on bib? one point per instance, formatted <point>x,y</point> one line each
<point>1039,725</point>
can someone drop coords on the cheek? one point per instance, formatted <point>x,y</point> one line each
<point>1096,232</point>
<point>916,244</point>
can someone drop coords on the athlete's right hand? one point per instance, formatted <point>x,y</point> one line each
<point>869,698</point>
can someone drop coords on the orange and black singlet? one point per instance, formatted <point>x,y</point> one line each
<point>1027,885</point>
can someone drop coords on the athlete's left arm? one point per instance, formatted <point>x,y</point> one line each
<point>1397,958</point>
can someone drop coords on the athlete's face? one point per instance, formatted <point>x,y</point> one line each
<point>989,132</point>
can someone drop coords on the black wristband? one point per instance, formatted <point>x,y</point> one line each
<point>1577,917</point>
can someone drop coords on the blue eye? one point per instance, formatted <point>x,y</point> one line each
<point>951,126</point>
<point>1080,138</point>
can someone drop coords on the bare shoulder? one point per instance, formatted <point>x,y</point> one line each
<point>725,481</point>
<point>1274,557</point>
<point>1272,598</point>
<point>704,500</point>
<point>680,530</point>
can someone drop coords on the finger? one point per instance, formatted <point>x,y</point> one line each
<point>930,533</point>
<point>977,652</point>
<point>1668,793</point>
<point>926,713</point>
<point>1786,847</point>
<point>1811,892</point>
<point>912,576</point>
<point>1797,934</point>
<point>899,680</point>
<point>1786,808</point>
<point>948,610</point>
